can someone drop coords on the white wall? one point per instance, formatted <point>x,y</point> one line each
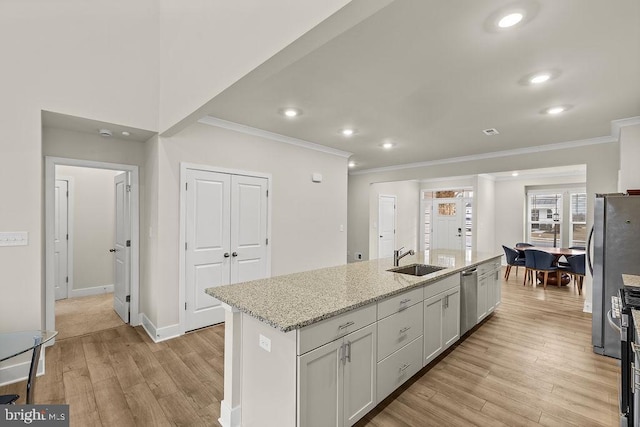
<point>407,213</point>
<point>93,225</point>
<point>94,59</point>
<point>306,216</point>
<point>629,155</point>
<point>206,45</point>
<point>484,220</point>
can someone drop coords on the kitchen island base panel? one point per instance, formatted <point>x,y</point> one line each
<point>230,409</point>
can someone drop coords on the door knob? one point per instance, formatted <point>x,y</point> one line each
<point>235,254</point>
<point>112,250</point>
<point>226,254</point>
<point>381,237</point>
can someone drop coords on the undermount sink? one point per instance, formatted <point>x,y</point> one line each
<point>417,269</point>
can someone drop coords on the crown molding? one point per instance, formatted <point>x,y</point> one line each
<point>617,125</point>
<point>495,154</point>
<point>214,121</point>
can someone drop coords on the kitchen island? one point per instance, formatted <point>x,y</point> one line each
<point>323,347</point>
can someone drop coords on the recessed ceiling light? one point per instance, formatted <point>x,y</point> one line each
<point>352,164</point>
<point>387,145</point>
<point>556,110</point>
<point>348,132</point>
<point>514,174</point>
<point>510,20</point>
<point>125,133</point>
<point>290,112</point>
<point>540,78</point>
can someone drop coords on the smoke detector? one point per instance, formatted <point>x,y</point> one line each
<point>491,132</point>
<point>105,132</point>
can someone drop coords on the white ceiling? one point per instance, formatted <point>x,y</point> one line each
<point>80,124</point>
<point>430,75</point>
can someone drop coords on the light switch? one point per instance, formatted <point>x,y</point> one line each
<point>265,343</point>
<point>14,238</point>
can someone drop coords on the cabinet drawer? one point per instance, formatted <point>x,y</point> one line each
<point>313,336</point>
<point>487,267</point>
<point>399,329</point>
<point>399,302</point>
<point>434,288</point>
<point>399,367</point>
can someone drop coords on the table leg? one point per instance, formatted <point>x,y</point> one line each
<point>33,369</point>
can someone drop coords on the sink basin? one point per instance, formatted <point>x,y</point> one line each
<point>417,269</point>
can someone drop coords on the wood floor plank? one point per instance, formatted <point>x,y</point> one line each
<point>112,404</point>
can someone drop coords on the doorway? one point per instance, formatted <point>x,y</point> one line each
<point>124,257</point>
<point>447,219</point>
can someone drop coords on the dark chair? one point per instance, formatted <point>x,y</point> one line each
<point>530,264</point>
<point>577,270</point>
<point>544,262</point>
<point>8,399</point>
<point>513,259</point>
<point>566,264</point>
<point>520,246</point>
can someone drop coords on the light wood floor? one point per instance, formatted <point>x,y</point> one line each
<point>84,315</point>
<point>529,364</point>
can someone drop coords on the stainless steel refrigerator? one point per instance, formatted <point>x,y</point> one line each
<point>615,238</point>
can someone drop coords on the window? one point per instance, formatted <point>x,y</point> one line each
<point>578,230</point>
<point>545,219</point>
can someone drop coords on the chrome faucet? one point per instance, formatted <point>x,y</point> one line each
<point>397,255</point>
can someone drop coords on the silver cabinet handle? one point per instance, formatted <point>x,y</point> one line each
<point>343,353</point>
<point>404,367</point>
<point>404,301</point>
<point>349,351</point>
<point>405,329</point>
<point>346,325</point>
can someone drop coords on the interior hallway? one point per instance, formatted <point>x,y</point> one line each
<point>80,316</point>
<point>529,364</point>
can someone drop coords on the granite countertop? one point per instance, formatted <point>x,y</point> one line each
<point>297,300</point>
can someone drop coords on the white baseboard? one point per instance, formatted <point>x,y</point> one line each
<point>159,334</point>
<point>587,307</point>
<point>10,374</point>
<point>229,417</point>
<point>96,290</point>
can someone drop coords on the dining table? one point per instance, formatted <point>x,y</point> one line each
<point>561,278</point>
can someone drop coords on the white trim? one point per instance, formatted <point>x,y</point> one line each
<point>395,222</point>
<point>159,334</point>
<point>10,374</point>
<point>505,153</point>
<point>617,125</point>
<point>229,417</point>
<point>214,121</point>
<point>587,307</point>
<point>183,231</point>
<point>94,290</point>
<point>49,183</point>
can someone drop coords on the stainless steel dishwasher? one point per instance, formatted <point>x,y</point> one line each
<point>468,300</point>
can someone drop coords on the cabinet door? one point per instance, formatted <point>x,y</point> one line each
<point>498,285</point>
<point>432,327</point>
<point>320,386</point>
<point>451,318</point>
<point>482,297</point>
<point>359,374</point>
<point>491,293</point>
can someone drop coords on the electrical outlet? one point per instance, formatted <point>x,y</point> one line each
<point>357,255</point>
<point>265,343</point>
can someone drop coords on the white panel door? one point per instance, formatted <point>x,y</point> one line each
<point>448,218</point>
<point>208,239</point>
<point>386,226</point>
<point>248,228</point>
<point>122,262</point>
<point>60,239</point>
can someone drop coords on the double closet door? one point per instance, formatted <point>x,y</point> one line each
<point>226,238</point>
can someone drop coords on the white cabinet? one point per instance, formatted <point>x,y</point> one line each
<point>441,322</point>
<point>337,381</point>
<point>489,288</point>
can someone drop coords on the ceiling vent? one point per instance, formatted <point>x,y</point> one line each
<point>491,132</point>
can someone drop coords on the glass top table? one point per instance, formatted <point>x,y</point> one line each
<point>13,344</point>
